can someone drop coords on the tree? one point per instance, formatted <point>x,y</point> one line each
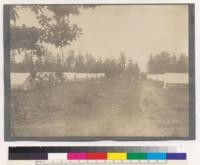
<point>90,62</point>
<point>61,34</point>
<point>164,62</point>
<point>70,61</point>
<point>130,67</point>
<point>150,64</point>
<point>159,63</point>
<point>122,61</point>
<point>133,70</point>
<point>136,71</point>
<point>13,15</point>
<point>172,64</point>
<point>182,64</point>
<point>99,67</point>
<point>55,26</point>
<point>79,63</point>
<point>24,38</point>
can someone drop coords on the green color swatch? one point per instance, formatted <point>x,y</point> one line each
<point>137,156</point>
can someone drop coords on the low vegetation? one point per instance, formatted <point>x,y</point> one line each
<point>100,108</point>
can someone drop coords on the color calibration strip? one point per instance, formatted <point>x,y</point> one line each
<point>97,153</point>
<point>98,156</point>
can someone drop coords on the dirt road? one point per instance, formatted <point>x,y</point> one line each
<point>161,117</point>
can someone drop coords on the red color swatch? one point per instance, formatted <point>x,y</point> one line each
<point>97,156</point>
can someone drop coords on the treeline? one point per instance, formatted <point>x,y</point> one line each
<point>57,29</point>
<point>112,67</point>
<point>165,62</point>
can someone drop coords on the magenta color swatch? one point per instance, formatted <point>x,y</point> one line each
<point>77,156</point>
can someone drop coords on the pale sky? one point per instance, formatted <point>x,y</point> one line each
<point>137,30</point>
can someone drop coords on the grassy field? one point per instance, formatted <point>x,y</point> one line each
<point>100,108</point>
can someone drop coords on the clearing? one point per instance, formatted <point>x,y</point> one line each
<point>100,108</point>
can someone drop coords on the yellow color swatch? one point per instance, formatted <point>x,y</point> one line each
<point>117,156</point>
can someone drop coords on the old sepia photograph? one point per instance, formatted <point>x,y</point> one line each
<point>99,72</point>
